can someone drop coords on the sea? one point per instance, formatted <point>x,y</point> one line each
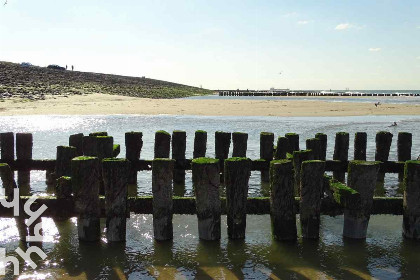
<point>385,254</point>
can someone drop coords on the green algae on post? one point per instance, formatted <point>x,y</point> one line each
<point>298,158</point>
<point>162,144</point>
<point>200,144</point>
<point>411,204</point>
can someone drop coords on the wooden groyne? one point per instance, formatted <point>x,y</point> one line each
<point>239,92</point>
<point>297,179</point>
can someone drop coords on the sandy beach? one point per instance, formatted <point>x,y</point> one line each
<point>104,104</point>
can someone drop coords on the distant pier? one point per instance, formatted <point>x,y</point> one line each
<point>239,92</point>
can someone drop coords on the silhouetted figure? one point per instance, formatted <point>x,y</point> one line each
<point>377,104</point>
<point>394,124</point>
<point>72,68</point>
<point>66,66</point>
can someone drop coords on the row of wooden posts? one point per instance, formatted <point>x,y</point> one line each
<point>91,163</point>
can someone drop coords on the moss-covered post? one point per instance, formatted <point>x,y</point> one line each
<point>162,174</point>
<point>200,144</point>
<point>89,146</point>
<point>24,144</point>
<point>361,178</point>
<point>76,140</point>
<point>222,145</point>
<point>282,201</point>
<point>311,187</point>
<point>133,146</point>
<point>266,152</point>
<point>206,183</point>
<point>99,133</point>
<point>240,144</point>
<point>298,158</point>
<point>104,146</point>
<point>383,145</point>
<point>282,148</point>
<point>7,145</point>
<point>360,143</point>
<point>324,140</point>
<point>237,172</point>
<point>293,142</point>
<point>341,152</point>
<point>162,144</point>
<point>63,160</point>
<point>63,188</point>
<point>411,204</point>
<point>314,144</point>
<point>404,143</point>
<point>85,184</point>
<point>115,173</point>
<point>179,145</point>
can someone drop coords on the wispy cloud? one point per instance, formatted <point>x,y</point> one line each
<point>375,49</point>
<point>302,22</point>
<point>343,26</point>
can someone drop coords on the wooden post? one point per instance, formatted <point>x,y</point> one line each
<point>7,142</point>
<point>162,174</point>
<point>324,139</point>
<point>24,143</point>
<point>266,152</point>
<point>200,144</point>
<point>298,158</point>
<point>63,189</point>
<point>8,180</point>
<point>360,143</point>
<point>85,184</point>
<point>237,172</point>
<point>411,204</point>
<point>63,160</point>
<point>341,152</point>
<point>361,178</point>
<point>314,144</point>
<point>179,145</point>
<point>282,201</point>
<point>293,142</point>
<point>206,183</point>
<point>104,147</point>
<point>76,140</point>
<point>282,148</point>
<point>311,187</point>
<point>89,146</point>
<point>383,145</point>
<point>133,146</point>
<point>240,144</point>
<point>222,144</point>
<point>115,173</point>
<point>404,143</point>
<point>162,144</point>
<point>100,133</point>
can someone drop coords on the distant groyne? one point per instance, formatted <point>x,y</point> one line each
<point>239,92</point>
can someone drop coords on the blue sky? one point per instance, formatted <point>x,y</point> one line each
<point>223,44</point>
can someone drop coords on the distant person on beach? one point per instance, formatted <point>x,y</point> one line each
<point>377,104</point>
<point>72,68</point>
<point>394,124</point>
<point>66,66</point>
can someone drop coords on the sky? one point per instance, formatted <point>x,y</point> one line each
<point>216,44</point>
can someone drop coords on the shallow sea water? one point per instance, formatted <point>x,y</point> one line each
<point>383,255</point>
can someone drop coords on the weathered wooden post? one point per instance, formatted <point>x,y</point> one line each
<point>8,181</point>
<point>324,140</point>
<point>115,174</point>
<point>311,187</point>
<point>404,143</point>
<point>24,143</point>
<point>89,146</point>
<point>179,145</point>
<point>361,178</point>
<point>282,201</point>
<point>162,174</point>
<point>266,152</point>
<point>341,152</point>
<point>360,143</point>
<point>85,184</point>
<point>99,133</point>
<point>200,144</point>
<point>104,146</point>
<point>63,189</point>
<point>314,144</point>
<point>383,145</point>
<point>293,142</point>
<point>411,204</point>
<point>282,148</point>
<point>206,183</point>
<point>298,158</point>
<point>222,145</point>
<point>76,140</point>
<point>7,144</point>
<point>240,144</point>
<point>237,172</point>
<point>162,144</point>
<point>63,160</point>
<point>133,146</point>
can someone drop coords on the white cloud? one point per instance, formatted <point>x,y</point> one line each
<point>375,49</point>
<point>302,22</point>
<point>343,26</point>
